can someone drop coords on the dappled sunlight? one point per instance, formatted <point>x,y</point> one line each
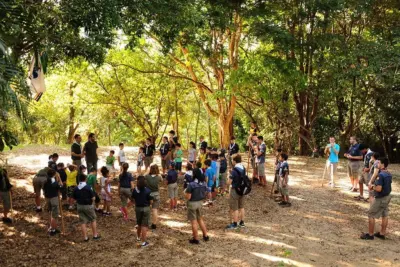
<point>297,198</point>
<point>259,240</point>
<point>174,224</point>
<point>280,259</point>
<point>25,184</point>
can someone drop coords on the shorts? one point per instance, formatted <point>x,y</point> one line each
<point>365,178</point>
<point>148,161</point>
<point>111,168</point>
<point>140,163</point>
<point>354,168</point>
<point>261,169</point>
<point>178,166</point>
<point>38,184</point>
<point>194,210</point>
<point>97,198</point>
<point>276,180</point>
<point>236,202</point>
<point>5,196</point>
<point>156,200</point>
<point>70,190</point>
<point>77,163</point>
<point>222,179</point>
<point>284,190</point>
<point>86,214</point>
<point>142,216</point>
<point>125,194</point>
<point>105,196</point>
<point>379,207</point>
<point>53,207</point>
<point>173,190</point>
<point>165,162</point>
<point>91,164</point>
<point>209,189</point>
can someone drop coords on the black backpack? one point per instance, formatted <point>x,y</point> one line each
<point>244,184</point>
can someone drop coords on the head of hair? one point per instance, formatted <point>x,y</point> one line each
<point>148,139</point>
<point>55,155</point>
<point>82,178</point>
<point>91,135</point>
<point>363,147</point>
<point>51,157</point>
<point>254,134</point>
<point>260,137</point>
<point>154,170</point>
<point>121,144</point>
<point>214,156</point>
<point>178,145</point>
<point>76,136</point>
<point>279,150</point>
<point>237,158</point>
<point>233,138</point>
<point>141,148</point>
<point>51,172</point>
<point>284,156</point>
<point>198,165</point>
<point>104,171</point>
<point>82,167</point>
<point>384,161</point>
<point>376,155</point>
<point>141,182</point>
<point>202,149</point>
<point>209,148</point>
<point>112,152</point>
<point>201,137</point>
<point>172,132</point>
<point>207,162</point>
<point>193,144</point>
<point>165,138</point>
<point>60,165</point>
<point>189,167</point>
<point>93,169</point>
<point>125,167</point>
<point>71,167</point>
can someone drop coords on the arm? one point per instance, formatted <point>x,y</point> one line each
<point>374,175</point>
<point>335,151</point>
<point>188,196</point>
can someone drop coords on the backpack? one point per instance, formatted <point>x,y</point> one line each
<point>201,187</point>
<point>244,183</point>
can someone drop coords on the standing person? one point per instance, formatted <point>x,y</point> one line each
<point>203,143</point>
<point>76,151</point>
<point>236,201</point>
<point>84,196</point>
<point>261,160</point>
<point>253,128</point>
<point>233,150</point>
<point>105,184</point>
<point>380,205</point>
<point>143,199</point>
<point>149,149</point>
<point>72,174</point>
<point>210,179</point>
<point>110,160</point>
<point>140,160</point>
<point>188,176</point>
<point>5,195</point>
<point>195,194</point>
<point>178,157</point>
<point>223,172</point>
<point>364,178</point>
<point>277,167</point>
<point>373,174</point>
<point>202,158</point>
<point>90,151</point>
<point>171,181</point>
<point>63,177</point>
<point>51,189</point>
<point>121,154</point>
<point>153,180</point>
<point>333,150</point>
<point>53,161</point>
<point>165,153</point>
<point>125,187</point>
<point>284,180</point>
<point>192,153</point>
<point>252,143</point>
<point>354,157</point>
<point>173,140</point>
<point>92,182</point>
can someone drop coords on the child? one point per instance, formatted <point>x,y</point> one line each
<point>192,153</point>
<point>178,157</point>
<point>5,195</point>
<point>223,172</point>
<point>84,196</point>
<point>215,167</point>
<point>121,154</point>
<point>125,186</point>
<point>165,154</point>
<point>72,173</point>
<point>105,184</point>
<point>63,177</point>
<point>153,180</point>
<point>53,161</point>
<point>110,159</point>
<point>188,176</point>
<point>202,158</point>
<point>92,182</point>
<point>51,188</point>
<point>277,167</point>
<point>171,181</point>
<point>140,160</point>
<point>82,170</point>
<point>143,199</point>
<point>210,179</point>
<point>208,152</point>
<point>284,180</point>
<point>195,193</point>
<point>233,150</point>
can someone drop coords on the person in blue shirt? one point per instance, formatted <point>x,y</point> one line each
<point>355,158</point>
<point>333,150</point>
<point>210,179</point>
<point>380,205</point>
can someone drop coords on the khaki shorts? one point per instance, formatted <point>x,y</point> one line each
<point>173,190</point>
<point>165,162</point>
<point>284,190</point>
<point>142,216</point>
<point>86,214</point>
<point>379,207</point>
<point>354,168</point>
<point>156,200</point>
<point>125,194</point>
<point>365,178</point>
<point>38,184</point>
<point>52,207</point>
<point>236,202</point>
<point>148,161</point>
<point>222,179</point>
<point>194,210</point>
<point>5,196</point>
<point>261,169</point>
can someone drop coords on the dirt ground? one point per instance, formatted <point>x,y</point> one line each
<point>320,229</point>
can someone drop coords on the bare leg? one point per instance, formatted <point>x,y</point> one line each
<point>53,223</point>
<point>155,215</point>
<point>195,230</point>
<point>241,212</point>
<point>385,221</point>
<point>5,212</point>
<point>235,215</point>
<point>144,233</point>
<point>94,228</point>
<point>139,231</point>
<point>84,231</point>
<point>202,226</point>
<point>37,200</point>
<point>361,189</point>
<point>371,226</point>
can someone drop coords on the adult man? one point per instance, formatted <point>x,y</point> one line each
<point>149,149</point>
<point>173,140</point>
<point>76,151</point>
<point>90,152</point>
<point>233,149</point>
<point>252,143</point>
<point>203,143</point>
<point>354,157</point>
<point>261,161</point>
<point>236,201</point>
<point>380,205</point>
<point>333,149</point>
<point>364,178</point>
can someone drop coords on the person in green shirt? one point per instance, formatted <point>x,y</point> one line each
<point>92,182</point>
<point>178,157</point>
<point>110,159</point>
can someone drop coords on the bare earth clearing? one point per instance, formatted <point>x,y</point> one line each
<point>320,229</point>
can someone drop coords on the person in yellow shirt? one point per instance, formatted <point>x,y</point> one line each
<point>202,157</point>
<point>72,174</point>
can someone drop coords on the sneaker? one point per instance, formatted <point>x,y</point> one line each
<point>241,224</point>
<point>231,226</point>
<point>97,237</point>
<point>38,209</point>
<point>206,238</point>
<point>99,210</point>
<point>52,232</point>
<point>7,220</point>
<point>106,213</point>
<point>288,204</point>
<point>71,208</point>
<point>153,227</point>
<point>138,239</point>
<point>282,203</point>
<point>194,241</point>
<point>358,198</point>
<point>145,244</point>
<point>86,239</point>
<point>57,231</point>
<point>367,237</point>
<point>378,235</point>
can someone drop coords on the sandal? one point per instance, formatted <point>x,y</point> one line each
<point>359,198</point>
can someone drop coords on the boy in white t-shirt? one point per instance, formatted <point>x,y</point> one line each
<point>121,155</point>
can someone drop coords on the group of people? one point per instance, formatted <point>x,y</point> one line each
<point>364,167</point>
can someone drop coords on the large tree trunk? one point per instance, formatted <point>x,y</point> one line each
<point>225,131</point>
